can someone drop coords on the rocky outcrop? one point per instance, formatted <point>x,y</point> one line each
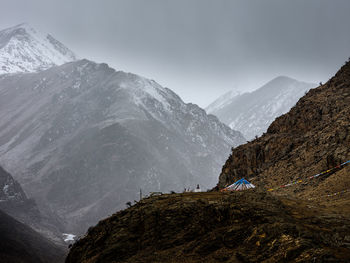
<point>14,202</point>
<point>10,189</point>
<point>216,227</point>
<point>313,136</point>
<point>21,244</point>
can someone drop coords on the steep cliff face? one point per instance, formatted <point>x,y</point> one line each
<point>21,244</point>
<point>10,189</point>
<point>14,202</point>
<point>217,227</point>
<point>312,137</point>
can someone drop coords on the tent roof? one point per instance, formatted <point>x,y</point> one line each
<point>242,181</point>
<point>241,184</point>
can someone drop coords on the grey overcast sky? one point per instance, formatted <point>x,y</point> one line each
<point>198,48</point>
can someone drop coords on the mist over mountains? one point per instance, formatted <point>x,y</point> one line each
<point>83,139</point>
<point>293,215</point>
<point>313,138</point>
<point>80,141</point>
<point>251,113</point>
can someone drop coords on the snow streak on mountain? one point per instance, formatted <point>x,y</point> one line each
<point>24,49</point>
<point>252,113</point>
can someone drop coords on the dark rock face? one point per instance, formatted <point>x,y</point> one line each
<point>216,227</point>
<point>20,244</point>
<point>15,203</point>
<point>312,137</point>
<point>10,189</point>
<point>82,139</point>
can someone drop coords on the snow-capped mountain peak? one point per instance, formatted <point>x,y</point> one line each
<point>24,49</point>
<point>252,112</point>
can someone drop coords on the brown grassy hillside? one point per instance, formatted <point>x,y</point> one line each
<point>245,226</point>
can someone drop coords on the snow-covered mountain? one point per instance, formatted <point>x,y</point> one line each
<point>252,113</point>
<point>82,139</point>
<point>24,49</point>
<point>222,101</point>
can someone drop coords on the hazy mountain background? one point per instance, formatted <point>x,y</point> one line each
<point>305,217</point>
<point>83,139</point>
<point>252,112</point>
<point>80,140</point>
<point>313,138</point>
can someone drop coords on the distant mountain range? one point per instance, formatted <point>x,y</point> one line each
<point>24,49</point>
<point>222,101</point>
<point>83,139</point>
<point>251,113</point>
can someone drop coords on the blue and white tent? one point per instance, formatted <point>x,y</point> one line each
<point>241,184</point>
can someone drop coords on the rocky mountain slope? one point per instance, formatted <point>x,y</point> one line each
<point>251,113</point>
<point>15,203</point>
<point>24,49</point>
<point>312,137</point>
<point>82,139</point>
<point>21,244</point>
<point>304,221</point>
<point>217,227</point>
<point>10,189</point>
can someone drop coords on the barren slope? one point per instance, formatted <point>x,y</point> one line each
<point>314,136</point>
<point>217,227</point>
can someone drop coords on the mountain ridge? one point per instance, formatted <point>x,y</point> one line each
<point>252,112</point>
<point>14,202</point>
<point>303,221</point>
<point>24,49</point>
<point>63,126</point>
<point>20,243</point>
<point>245,226</point>
<point>312,137</point>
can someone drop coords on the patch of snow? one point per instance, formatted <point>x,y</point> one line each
<point>68,237</point>
<point>5,189</point>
